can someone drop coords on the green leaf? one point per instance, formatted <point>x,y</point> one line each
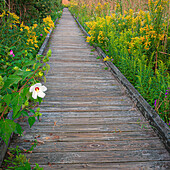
<point>106,68</point>
<point>38,65</point>
<point>18,54</point>
<point>27,74</point>
<point>98,57</point>
<point>7,127</point>
<point>7,99</point>
<point>10,81</point>
<point>16,105</point>
<point>24,113</point>
<point>31,121</point>
<point>39,100</point>
<point>37,167</point>
<point>26,166</point>
<point>32,111</point>
<point>18,114</point>
<point>24,92</point>
<point>29,63</point>
<point>48,68</point>
<point>18,129</point>
<point>45,79</point>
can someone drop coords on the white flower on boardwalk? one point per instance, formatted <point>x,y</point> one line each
<point>38,90</point>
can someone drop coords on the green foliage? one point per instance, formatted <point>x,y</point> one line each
<point>32,11</point>
<point>7,127</point>
<point>137,43</point>
<point>20,68</point>
<point>18,161</point>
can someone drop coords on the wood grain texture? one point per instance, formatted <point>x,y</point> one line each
<point>87,120</point>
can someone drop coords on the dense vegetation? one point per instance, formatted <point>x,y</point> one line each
<point>24,26</point>
<point>137,41</point>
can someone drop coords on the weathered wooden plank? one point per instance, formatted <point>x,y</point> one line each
<point>163,165</point>
<point>91,121</point>
<point>109,114</point>
<point>87,109</point>
<point>79,64</point>
<point>63,47</point>
<point>93,146</point>
<point>52,136</point>
<point>87,103</point>
<point>79,69</point>
<point>92,157</point>
<point>65,50</point>
<point>85,81</point>
<point>81,85</point>
<point>58,126</point>
<point>72,77</point>
<point>80,98</point>
<point>89,92</point>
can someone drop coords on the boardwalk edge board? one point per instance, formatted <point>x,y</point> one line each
<point>44,45</point>
<point>159,126</point>
<point>3,146</point>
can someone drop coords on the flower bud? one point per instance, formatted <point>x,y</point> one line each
<point>16,68</point>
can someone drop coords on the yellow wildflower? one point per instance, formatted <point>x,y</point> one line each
<point>106,58</point>
<point>88,39</point>
<point>2,14</point>
<point>36,45</point>
<point>28,69</point>
<point>40,74</point>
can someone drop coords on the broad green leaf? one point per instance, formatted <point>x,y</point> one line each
<point>38,65</point>
<point>11,80</point>
<point>39,100</point>
<point>7,127</point>
<point>31,121</point>
<point>18,114</point>
<point>18,129</point>
<point>16,105</point>
<point>24,92</point>
<point>24,113</point>
<point>32,111</point>
<point>28,63</point>
<point>27,74</point>
<point>26,166</point>
<point>18,54</point>
<point>7,99</point>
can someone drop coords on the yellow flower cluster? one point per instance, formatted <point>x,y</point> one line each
<point>106,58</point>
<point>49,24</point>
<point>96,27</point>
<point>73,4</point>
<point>12,19</point>
<point>31,34</point>
<point>101,37</point>
<point>3,14</point>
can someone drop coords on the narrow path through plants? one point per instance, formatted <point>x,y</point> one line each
<point>87,120</point>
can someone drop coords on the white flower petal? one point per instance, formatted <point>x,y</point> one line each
<point>41,94</point>
<point>32,88</point>
<point>34,94</point>
<point>38,84</point>
<point>43,88</point>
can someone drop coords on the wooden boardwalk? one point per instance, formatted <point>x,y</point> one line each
<point>88,122</point>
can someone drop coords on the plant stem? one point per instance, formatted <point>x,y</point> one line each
<point>28,80</point>
<point>3,113</point>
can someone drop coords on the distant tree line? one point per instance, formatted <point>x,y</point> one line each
<point>29,10</point>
